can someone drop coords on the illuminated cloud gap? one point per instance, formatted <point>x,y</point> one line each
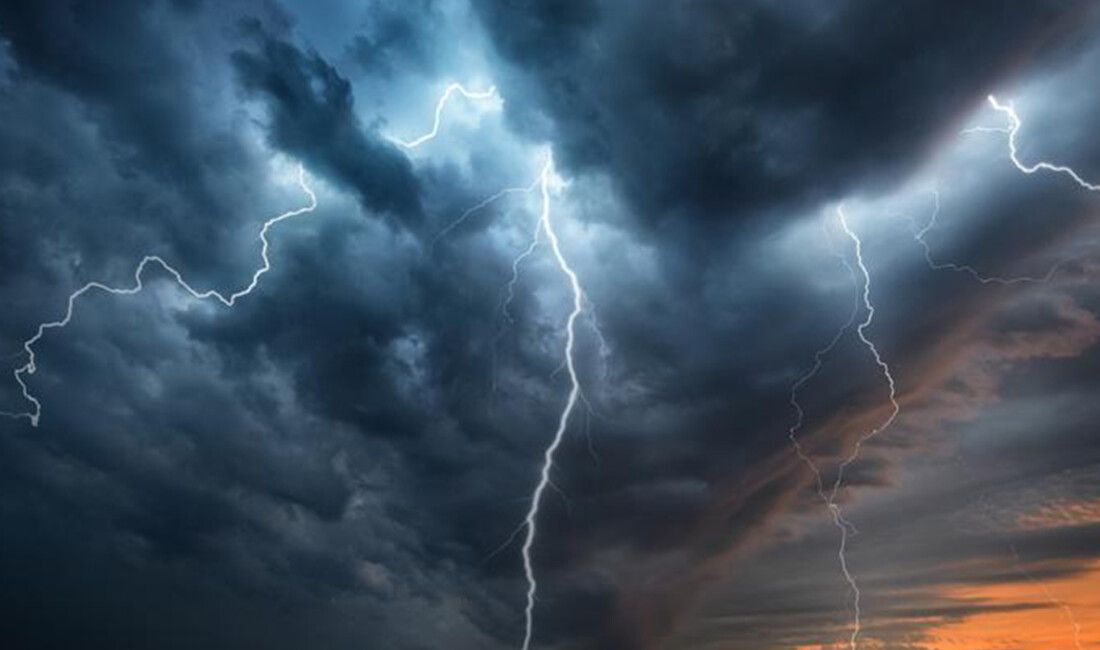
<point>28,346</point>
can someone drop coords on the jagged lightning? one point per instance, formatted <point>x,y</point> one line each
<point>895,409</point>
<point>1054,600</point>
<point>440,105</point>
<point>1012,130</point>
<point>920,233</point>
<point>829,495</point>
<point>815,367</point>
<point>570,403</point>
<point>31,366</point>
<point>544,226</point>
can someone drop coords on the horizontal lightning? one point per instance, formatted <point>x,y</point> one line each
<point>31,366</point>
<point>451,90</point>
<point>919,233</point>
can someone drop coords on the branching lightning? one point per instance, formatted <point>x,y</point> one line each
<point>1012,130</point>
<point>440,105</point>
<point>895,409</point>
<point>830,495</point>
<point>31,366</point>
<point>819,360</point>
<point>919,233</point>
<point>571,400</point>
<point>544,227</point>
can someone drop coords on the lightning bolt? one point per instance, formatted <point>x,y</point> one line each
<point>31,366</point>
<point>1057,602</point>
<point>829,495</point>
<point>439,106</point>
<point>815,367</point>
<point>544,226</point>
<point>919,234</point>
<point>895,409</point>
<point>570,404</point>
<point>1012,130</point>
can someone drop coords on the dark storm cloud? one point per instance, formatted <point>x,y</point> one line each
<point>313,119</point>
<point>333,461</point>
<point>183,474</point>
<point>707,113</point>
<point>395,39</point>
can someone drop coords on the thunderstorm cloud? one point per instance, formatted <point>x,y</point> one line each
<point>346,456</point>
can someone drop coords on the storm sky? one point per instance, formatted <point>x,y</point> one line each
<point>345,457</point>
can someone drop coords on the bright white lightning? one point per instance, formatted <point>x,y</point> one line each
<point>440,105</point>
<point>545,226</point>
<point>571,401</point>
<point>28,346</point>
<point>1013,130</point>
<point>895,409</point>
<point>829,496</point>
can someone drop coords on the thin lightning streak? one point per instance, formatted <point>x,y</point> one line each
<point>440,105</point>
<point>1013,130</point>
<point>1061,604</point>
<point>28,346</point>
<point>507,296</point>
<point>481,206</point>
<point>920,233</point>
<point>819,360</point>
<point>571,402</point>
<point>845,527</point>
<point>510,288</point>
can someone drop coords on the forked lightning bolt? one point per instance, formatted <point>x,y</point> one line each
<point>895,409</point>
<point>815,367</point>
<point>829,496</point>
<point>440,105</point>
<point>570,403</point>
<point>28,346</point>
<point>920,234</point>
<point>545,226</point>
<point>1012,130</point>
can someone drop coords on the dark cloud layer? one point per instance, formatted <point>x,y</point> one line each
<point>336,461</point>
<point>747,111</point>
